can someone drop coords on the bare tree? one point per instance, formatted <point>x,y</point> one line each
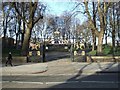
<point>67,23</point>
<point>6,15</point>
<point>113,19</point>
<point>33,14</point>
<point>94,22</point>
<point>102,11</point>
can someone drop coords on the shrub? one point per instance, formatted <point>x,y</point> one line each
<point>107,50</point>
<point>92,53</point>
<point>117,51</point>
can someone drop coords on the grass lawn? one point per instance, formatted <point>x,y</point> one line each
<point>107,50</point>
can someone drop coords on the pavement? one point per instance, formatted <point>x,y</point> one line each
<point>62,67</point>
<point>24,69</point>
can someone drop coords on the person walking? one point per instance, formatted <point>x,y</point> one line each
<point>9,59</point>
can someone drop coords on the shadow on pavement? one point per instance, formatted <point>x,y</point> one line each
<point>94,81</point>
<point>108,67</point>
<point>107,81</point>
<point>89,82</point>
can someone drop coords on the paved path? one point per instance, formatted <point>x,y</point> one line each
<point>62,73</point>
<point>61,67</point>
<point>25,69</point>
<point>67,67</point>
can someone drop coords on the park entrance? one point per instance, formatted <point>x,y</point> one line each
<point>56,48</point>
<point>57,51</point>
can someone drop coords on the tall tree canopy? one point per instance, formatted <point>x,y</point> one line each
<point>33,12</point>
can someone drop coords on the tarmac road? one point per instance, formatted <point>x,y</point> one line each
<point>103,80</point>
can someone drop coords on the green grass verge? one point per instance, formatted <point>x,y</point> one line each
<point>93,53</point>
<point>107,50</point>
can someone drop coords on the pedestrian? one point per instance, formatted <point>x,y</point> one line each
<point>27,58</point>
<point>9,59</point>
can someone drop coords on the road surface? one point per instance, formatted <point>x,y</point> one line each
<point>102,80</point>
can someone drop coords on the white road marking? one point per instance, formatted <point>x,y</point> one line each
<point>22,82</point>
<point>39,82</point>
<point>54,82</point>
<point>62,82</point>
<point>69,74</point>
<point>99,82</point>
<point>67,82</point>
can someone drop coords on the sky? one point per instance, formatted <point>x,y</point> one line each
<point>58,7</point>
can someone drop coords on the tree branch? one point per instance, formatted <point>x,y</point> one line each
<point>35,21</point>
<point>93,28</point>
<point>13,4</point>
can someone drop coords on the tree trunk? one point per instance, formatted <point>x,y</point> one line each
<point>113,41</point>
<point>99,47</point>
<point>106,37</point>
<point>22,38</point>
<point>118,23</point>
<point>113,32</point>
<point>16,40</point>
<point>94,42</point>
<point>5,26</point>
<point>93,32</point>
<point>23,32</point>
<point>26,41</point>
<point>5,32</point>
